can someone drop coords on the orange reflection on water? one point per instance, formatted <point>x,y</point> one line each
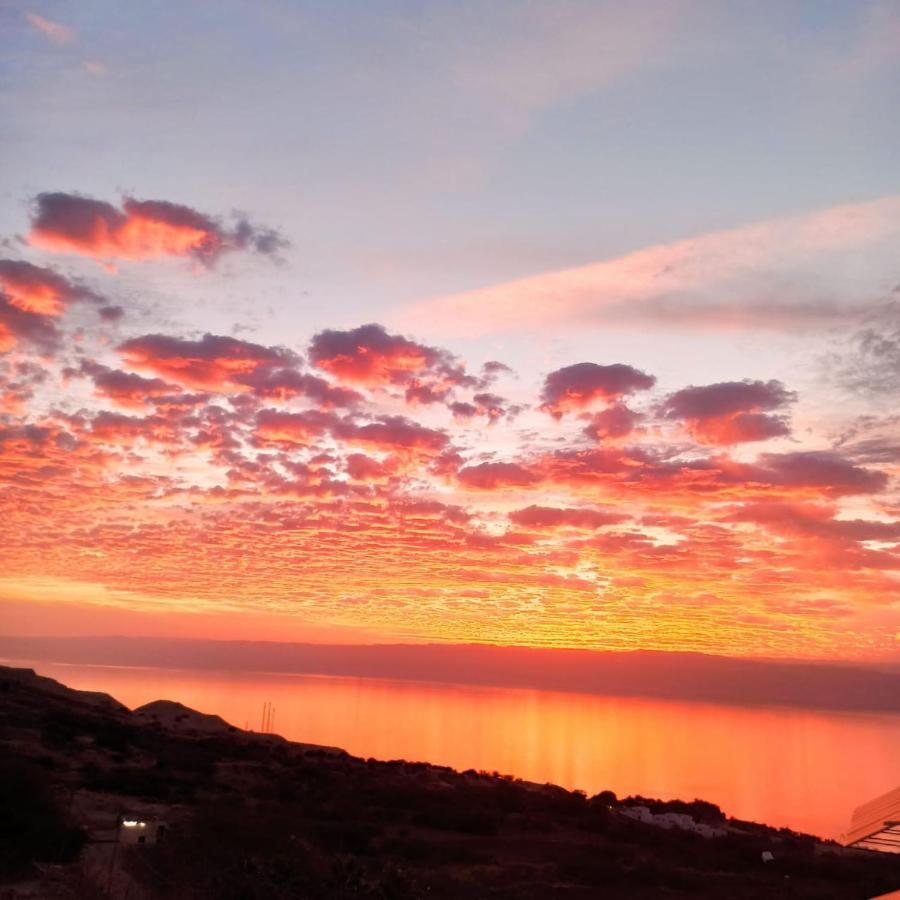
<point>786,767</point>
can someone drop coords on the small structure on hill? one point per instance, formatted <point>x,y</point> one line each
<point>670,820</point>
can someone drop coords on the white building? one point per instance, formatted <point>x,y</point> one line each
<point>670,820</point>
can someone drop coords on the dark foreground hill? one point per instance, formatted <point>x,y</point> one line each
<point>249,816</point>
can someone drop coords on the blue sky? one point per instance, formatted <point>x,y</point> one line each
<point>415,150</point>
<point>425,147</point>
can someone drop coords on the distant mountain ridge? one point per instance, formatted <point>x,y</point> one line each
<point>684,676</point>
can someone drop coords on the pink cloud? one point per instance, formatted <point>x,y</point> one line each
<point>553,517</point>
<point>772,274</point>
<point>129,389</point>
<point>392,433</point>
<point>55,32</point>
<point>731,412</point>
<point>579,386</point>
<point>617,421</point>
<point>140,230</point>
<point>213,361</point>
<point>490,475</point>
<point>275,426</point>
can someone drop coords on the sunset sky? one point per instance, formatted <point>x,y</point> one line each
<point>568,324</point>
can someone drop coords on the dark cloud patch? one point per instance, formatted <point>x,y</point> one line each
<point>649,471</point>
<point>725,398</point>
<point>814,520</point>
<point>463,411</point>
<point>823,470</point>
<point>34,440</point>
<point>115,428</point>
<point>286,383</point>
<point>617,421</point>
<point>140,230</point>
<point>370,355</point>
<point>265,241</point>
<point>32,298</point>
<point>870,366</point>
<point>124,388</point>
<point>279,427</point>
<point>426,394</point>
<point>577,387</point>
<point>486,405</point>
<point>731,412</point>
<point>871,439</point>
<point>364,468</point>
<point>111,313</point>
<point>392,433</point>
<point>875,450</point>
<point>822,473</point>
<point>554,517</point>
<point>491,475</point>
<point>493,369</point>
<point>18,380</point>
<point>213,362</point>
<point>18,325</point>
<point>494,407</point>
<point>74,217</point>
<point>38,289</point>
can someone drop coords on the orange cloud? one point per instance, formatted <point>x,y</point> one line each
<point>213,362</point>
<point>578,517</point>
<point>140,230</point>
<point>126,388</point>
<point>653,474</point>
<point>29,293</point>
<point>579,386</point>
<point>270,491</point>
<point>38,290</point>
<point>7,338</point>
<point>370,356</point>
<point>274,426</point>
<point>32,298</point>
<point>731,412</point>
<point>617,421</point>
<point>18,324</point>
<point>392,433</point>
